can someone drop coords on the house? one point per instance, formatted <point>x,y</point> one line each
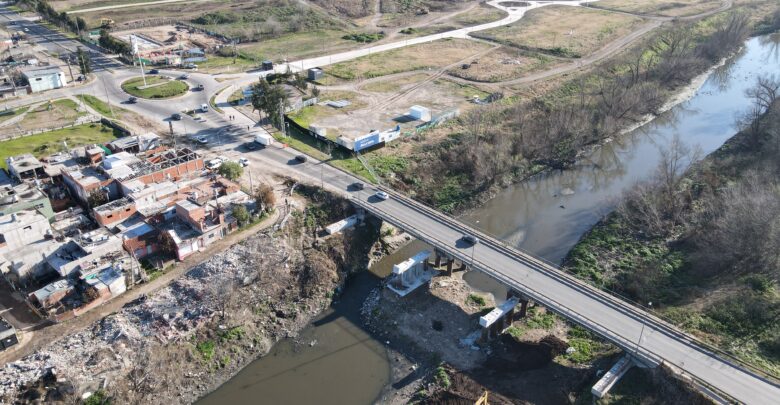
<point>26,238</point>
<point>147,142</point>
<point>23,197</point>
<point>46,78</point>
<point>24,167</point>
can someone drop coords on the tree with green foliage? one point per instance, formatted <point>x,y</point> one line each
<point>299,81</point>
<point>231,170</point>
<point>84,61</point>
<point>270,99</point>
<point>97,198</point>
<point>241,214</point>
<point>315,91</point>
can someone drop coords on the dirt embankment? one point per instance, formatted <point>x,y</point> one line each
<point>188,338</point>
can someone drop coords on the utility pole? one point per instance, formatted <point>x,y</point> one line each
<point>251,187</point>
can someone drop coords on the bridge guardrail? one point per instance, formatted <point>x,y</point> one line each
<point>615,299</point>
<point>625,343</point>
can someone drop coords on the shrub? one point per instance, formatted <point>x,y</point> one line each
<point>476,300</point>
<point>206,349</point>
<point>442,378</point>
<point>241,214</point>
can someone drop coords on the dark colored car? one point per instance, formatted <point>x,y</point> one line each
<point>154,72</point>
<point>252,145</point>
<point>176,117</point>
<point>470,239</point>
<point>198,87</point>
<point>132,100</point>
<point>301,158</point>
<point>358,186</point>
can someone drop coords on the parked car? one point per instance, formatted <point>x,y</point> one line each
<point>214,164</point>
<point>154,72</point>
<point>176,117</point>
<point>184,77</point>
<point>358,186</point>
<point>471,239</point>
<point>301,158</point>
<point>132,100</point>
<point>202,140</point>
<point>382,195</point>
<point>191,66</point>
<point>244,162</point>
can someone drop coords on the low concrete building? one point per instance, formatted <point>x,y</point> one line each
<point>47,78</point>
<point>24,167</point>
<point>25,196</point>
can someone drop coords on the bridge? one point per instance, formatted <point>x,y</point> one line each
<point>648,339</point>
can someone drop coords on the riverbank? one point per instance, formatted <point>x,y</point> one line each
<point>465,163</point>
<point>702,246</point>
<point>188,338</point>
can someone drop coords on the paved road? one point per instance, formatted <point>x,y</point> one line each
<point>54,42</point>
<point>616,320</point>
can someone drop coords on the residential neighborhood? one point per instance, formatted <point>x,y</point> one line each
<point>389,202</point>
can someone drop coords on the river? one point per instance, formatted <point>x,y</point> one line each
<point>334,361</point>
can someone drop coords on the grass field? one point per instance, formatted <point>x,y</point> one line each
<point>48,115</point>
<point>8,115</point>
<point>222,64</point>
<point>47,143</point>
<point>415,57</point>
<point>298,45</point>
<point>170,88</point>
<point>394,85</point>
<point>563,30</point>
<point>671,8</point>
<point>505,63</point>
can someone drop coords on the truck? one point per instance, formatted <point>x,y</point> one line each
<point>264,139</point>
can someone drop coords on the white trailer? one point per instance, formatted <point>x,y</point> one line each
<point>264,139</point>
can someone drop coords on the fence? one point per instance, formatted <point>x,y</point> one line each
<point>21,134</point>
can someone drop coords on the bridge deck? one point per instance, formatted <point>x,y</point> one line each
<point>616,320</point>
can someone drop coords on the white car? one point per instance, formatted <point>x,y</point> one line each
<point>214,164</point>
<point>382,195</point>
<point>202,140</point>
<point>204,108</point>
<point>243,162</point>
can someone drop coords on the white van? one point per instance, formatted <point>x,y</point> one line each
<point>204,107</point>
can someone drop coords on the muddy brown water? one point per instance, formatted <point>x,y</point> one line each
<point>544,216</point>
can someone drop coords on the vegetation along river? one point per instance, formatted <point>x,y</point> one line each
<point>334,361</point>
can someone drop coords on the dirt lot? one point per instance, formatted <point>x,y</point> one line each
<point>563,30</point>
<point>439,324</point>
<point>171,37</point>
<point>505,63</point>
<point>671,8</point>
<point>415,57</point>
<point>381,104</point>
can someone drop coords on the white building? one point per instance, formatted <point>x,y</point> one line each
<point>46,78</point>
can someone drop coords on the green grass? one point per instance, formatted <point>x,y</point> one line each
<point>101,106</point>
<point>225,63</point>
<point>47,143</point>
<point>206,349</point>
<point>13,113</point>
<point>298,45</point>
<point>475,299</point>
<point>171,88</point>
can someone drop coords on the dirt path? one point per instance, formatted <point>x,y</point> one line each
<point>150,3</point>
<point>34,341</point>
<point>727,4</point>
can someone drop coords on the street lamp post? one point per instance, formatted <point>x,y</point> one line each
<point>642,332</point>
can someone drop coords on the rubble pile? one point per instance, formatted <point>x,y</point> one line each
<point>172,313</point>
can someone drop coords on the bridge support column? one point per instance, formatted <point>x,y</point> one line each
<point>438,258</point>
<point>449,266</point>
<point>523,308</point>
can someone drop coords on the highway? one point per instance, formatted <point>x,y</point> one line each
<point>636,331</point>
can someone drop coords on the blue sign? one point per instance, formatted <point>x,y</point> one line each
<point>366,141</point>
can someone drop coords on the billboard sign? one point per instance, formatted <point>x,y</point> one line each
<point>367,141</point>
